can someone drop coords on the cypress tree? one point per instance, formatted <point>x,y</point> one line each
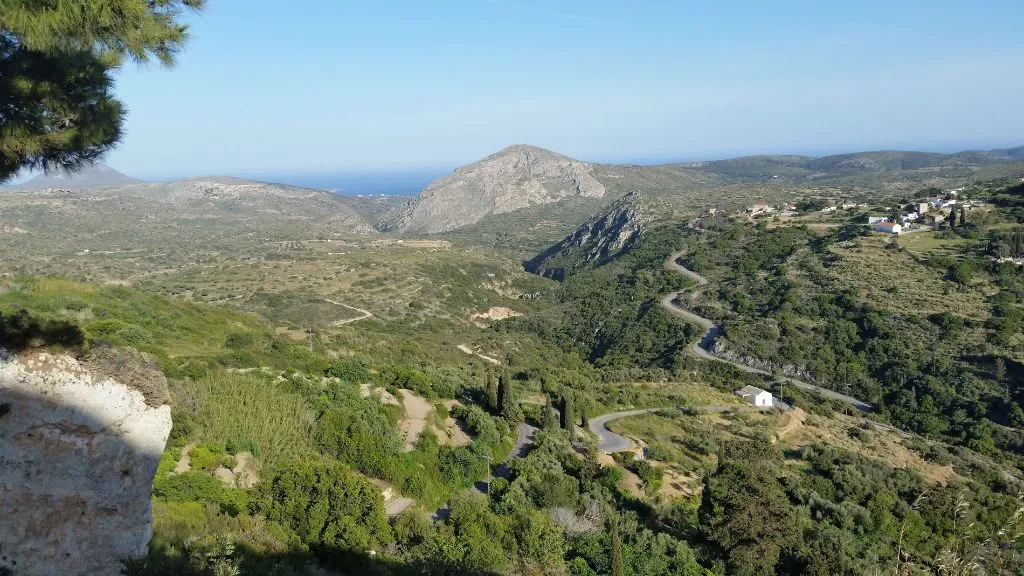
<point>568,412</point>
<point>613,522</point>
<point>492,390</point>
<point>548,420</point>
<point>57,106</point>
<point>510,409</point>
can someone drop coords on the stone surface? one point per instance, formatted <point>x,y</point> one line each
<point>78,451</point>
<point>601,239</point>
<point>515,178</point>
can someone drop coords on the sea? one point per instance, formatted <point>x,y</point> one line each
<point>365,183</point>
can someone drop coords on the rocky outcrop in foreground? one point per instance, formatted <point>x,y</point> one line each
<point>78,451</point>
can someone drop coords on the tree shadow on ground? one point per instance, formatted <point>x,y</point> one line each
<point>320,563</point>
<point>20,330</point>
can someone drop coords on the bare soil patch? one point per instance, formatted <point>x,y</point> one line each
<point>416,411</point>
<point>675,484</point>
<point>494,313</point>
<point>471,352</point>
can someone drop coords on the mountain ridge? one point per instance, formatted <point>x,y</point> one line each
<point>523,176</point>
<point>98,175</point>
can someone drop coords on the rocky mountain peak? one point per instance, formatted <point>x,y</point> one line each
<point>514,178</point>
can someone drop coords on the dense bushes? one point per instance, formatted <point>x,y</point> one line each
<point>326,505</point>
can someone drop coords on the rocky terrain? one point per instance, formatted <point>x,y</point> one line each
<point>96,176</point>
<point>515,178</point>
<point>79,445</point>
<point>598,240</point>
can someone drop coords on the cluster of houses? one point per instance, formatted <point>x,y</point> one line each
<point>935,205</point>
<point>938,206</point>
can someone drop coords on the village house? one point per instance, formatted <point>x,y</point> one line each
<point>922,207</point>
<point>911,217</point>
<point>756,396</point>
<point>887,227</point>
<point>877,219</point>
<point>760,208</point>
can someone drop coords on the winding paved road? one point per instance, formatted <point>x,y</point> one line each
<point>702,346</point>
<point>611,442</point>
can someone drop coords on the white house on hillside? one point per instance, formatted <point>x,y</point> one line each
<point>887,227</point>
<point>877,219</point>
<point>755,396</point>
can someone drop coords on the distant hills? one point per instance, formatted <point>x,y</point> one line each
<point>525,192</point>
<point>98,175</point>
<point>529,179</point>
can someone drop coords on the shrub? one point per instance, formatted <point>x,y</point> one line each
<point>325,504</point>
<point>349,370</point>
<point>200,487</point>
<point>207,458</point>
<point>134,336</point>
<point>239,340</point>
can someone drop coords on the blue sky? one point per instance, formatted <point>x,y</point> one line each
<point>326,86</point>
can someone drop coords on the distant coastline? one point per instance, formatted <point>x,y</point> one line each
<point>383,183</point>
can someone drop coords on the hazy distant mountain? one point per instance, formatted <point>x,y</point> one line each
<point>515,178</point>
<point>317,213</point>
<point>98,175</point>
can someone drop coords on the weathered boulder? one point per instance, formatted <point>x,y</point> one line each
<point>78,451</point>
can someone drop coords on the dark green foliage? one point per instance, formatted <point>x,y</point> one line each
<point>353,370</point>
<point>199,487</point>
<point>492,390</point>
<point>568,413</point>
<point>57,107</point>
<point>961,272</point>
<point>745,510</point>
<point>357,432</point>
<point>326,505</point>
<point>508,399</point>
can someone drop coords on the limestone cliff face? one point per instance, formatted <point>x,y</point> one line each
<point>515,178</point>
<point>599,240</point>
<point>78,451</point>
